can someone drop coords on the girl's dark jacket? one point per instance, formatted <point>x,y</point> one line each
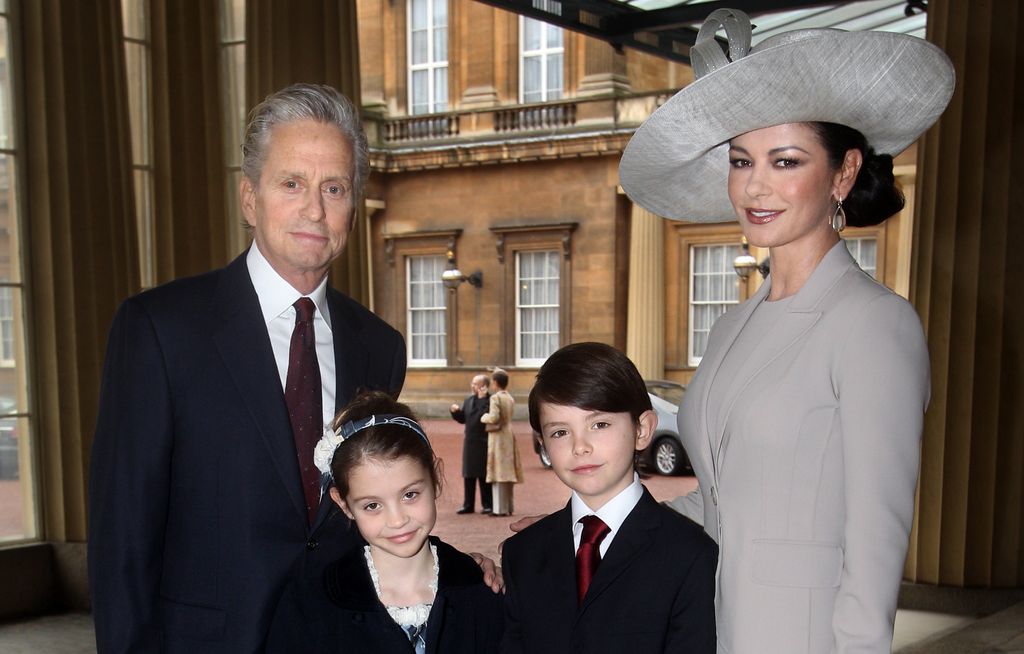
<point>343,615</point>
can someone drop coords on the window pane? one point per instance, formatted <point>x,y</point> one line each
<point>714,287</point>
<point>419,14</point>
<point>440,13</point>
<point>531,79</point>
<point>135,19</point>
<point>441,44</point>
<point>554,85</point>
<point>233,102</point>
<point>426,309</point>
<point>531,34</point>
<point>865,253</point>
<point>6,119</point>
<point>232,20</point>
<point>419,47</point>
<point>440,89</point>
<point>137,64</point>
<point>554,35</point>
<point>419,92</point>
<point>10,252</point>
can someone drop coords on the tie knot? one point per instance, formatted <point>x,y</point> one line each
<point>304,309</point>
<point>594,530</point>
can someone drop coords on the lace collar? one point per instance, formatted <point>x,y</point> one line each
<point>405,616</point>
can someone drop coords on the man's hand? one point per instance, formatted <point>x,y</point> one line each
<point>523,523</point>
<point>453,408</point>
<point>492,573</point>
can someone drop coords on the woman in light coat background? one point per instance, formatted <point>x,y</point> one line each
<point>803,420</point>
<point>504,467</point>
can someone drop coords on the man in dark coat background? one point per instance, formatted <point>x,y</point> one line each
<point>215,389</point>
<point>474,447</point>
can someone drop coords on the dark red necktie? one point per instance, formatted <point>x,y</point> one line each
<point>305,405</point>
<point>588,556</point>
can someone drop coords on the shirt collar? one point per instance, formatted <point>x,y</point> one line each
<point>615,510</point>
<point>276,295</point>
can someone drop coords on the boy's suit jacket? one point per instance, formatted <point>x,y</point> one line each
<point>196,508</point>
<point>653,592</point>
<point>810,492</point>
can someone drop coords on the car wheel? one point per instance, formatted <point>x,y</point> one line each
<point>542,454</point>
<point>668,456</point>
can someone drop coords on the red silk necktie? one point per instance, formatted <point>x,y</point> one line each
<point>305,404</point>
<point>588,556</point>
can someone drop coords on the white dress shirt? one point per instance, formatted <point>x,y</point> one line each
<point>613,513</point>
<point>276,299</point>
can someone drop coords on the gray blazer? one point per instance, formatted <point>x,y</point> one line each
<point>811,495</point>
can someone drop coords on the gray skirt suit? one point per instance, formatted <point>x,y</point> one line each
<point>808,481</point>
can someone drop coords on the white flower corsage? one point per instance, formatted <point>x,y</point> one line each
<point>323,453</point>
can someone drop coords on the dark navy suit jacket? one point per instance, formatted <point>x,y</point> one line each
<point>653,592</point>
<point>196,509</point>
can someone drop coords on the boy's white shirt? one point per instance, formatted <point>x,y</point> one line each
<point>613,513</point>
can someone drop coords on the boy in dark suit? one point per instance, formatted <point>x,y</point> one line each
<point>614,571</point>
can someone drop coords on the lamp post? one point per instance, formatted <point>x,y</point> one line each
<point>452,278</point>
<point>745,263</point>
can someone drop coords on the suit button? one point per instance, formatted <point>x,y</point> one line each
<point>312,544</point>
<point>714,496</point>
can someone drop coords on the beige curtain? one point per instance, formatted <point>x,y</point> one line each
<point>969,529</point>
<point>190,219</point>
<point>311,41</point>
<point>81,243</point>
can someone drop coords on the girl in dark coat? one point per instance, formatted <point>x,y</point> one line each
<point>404,590</point>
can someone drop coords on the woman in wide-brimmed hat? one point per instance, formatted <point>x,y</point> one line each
<point>804,418</point>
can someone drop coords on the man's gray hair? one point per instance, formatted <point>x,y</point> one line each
<point>317,102</point>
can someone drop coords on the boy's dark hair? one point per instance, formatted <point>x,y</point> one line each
<point>500,378</point>
<point>386,442</point>
<point>590,376</point>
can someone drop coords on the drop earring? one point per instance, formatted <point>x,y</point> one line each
<point>838,218</point>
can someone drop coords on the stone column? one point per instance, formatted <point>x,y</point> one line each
<point>604,69</point>
<point>477,31</point>
<point>969,528</point>
<point>645,319</point>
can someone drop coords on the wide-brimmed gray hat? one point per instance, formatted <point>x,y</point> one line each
<point>890,87</point>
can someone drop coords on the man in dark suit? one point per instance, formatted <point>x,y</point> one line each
<point>215,390</point>
<point>474,447</point>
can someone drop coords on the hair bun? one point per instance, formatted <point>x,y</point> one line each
<point>874,196</point>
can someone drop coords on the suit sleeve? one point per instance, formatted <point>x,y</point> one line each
<point>692,627</point>
<point>460,415</point>
<point>690,505</point>
<point>397,377</point>
<point>882,384</point>
<point>493,415</point>
<point>512,637</point>
<point>129,486</point>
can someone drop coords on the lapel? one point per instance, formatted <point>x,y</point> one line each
<point>804,311</point>
<point>560,566</point>
<point>712,361</point>
<point>351,358</point>
<point>241,338</point>
<point>350,361</point>
<point>632,538</point>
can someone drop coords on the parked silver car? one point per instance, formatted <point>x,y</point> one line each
<point>666,455</point>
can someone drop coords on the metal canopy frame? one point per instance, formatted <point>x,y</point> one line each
<point>666,32</point>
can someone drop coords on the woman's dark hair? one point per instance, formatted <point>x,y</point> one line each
<point>874,196</point>
<point>386,442</point>
<point>590,376</point>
